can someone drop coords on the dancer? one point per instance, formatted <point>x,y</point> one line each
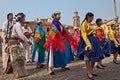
<point>15,49</point>
<point>6,33</point>
<point>39,40</point>
<point>27,32</point>
<point>100,34</point>
<point>113,43</point>
<point>89,48</point>
<point>55,44</point>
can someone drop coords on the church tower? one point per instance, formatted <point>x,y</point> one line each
<point>76,19</point>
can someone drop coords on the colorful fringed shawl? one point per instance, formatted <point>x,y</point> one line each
<point>40,38</point>
<point>54,39</point>
<point>99,33</point>
<point>56,36</point>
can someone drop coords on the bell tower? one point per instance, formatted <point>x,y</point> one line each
<point>76,19</point>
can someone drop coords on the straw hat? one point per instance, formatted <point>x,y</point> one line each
<point>76,27</point>
<point>38,21</point>
<point>66,26</point>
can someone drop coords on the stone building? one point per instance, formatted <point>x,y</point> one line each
<point>45,23</point>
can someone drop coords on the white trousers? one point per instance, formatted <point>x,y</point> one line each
<point>5,57</point>
<point>51,62</point>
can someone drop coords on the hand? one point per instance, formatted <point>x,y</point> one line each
<point>37,40</point>
<point>88,48</point>
<point>29,43</point>
<point>116,45</point>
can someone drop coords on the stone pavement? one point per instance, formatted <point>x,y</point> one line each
<point>77,72</point>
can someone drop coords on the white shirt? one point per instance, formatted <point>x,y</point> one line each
<point>4,28</point>
<point>17,31</point>
<point>28,29</point>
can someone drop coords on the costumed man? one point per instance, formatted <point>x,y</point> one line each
<point>113,43</point>
<point>55,45</point>
<point>100,34</point>
<point>6,33</point>
<point>14,48</point>
<point>27,32</point>
<point>39,40</point>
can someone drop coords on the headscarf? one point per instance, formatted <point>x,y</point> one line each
<point>55,13</point>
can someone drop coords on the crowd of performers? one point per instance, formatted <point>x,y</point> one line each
<point>57,44</point>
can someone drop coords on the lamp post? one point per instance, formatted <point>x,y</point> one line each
<point>115,10</point>
<point>116,17</point>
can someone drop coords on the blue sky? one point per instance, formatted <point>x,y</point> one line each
<point>44,8</point>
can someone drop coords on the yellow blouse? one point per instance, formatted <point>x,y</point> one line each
<point>112,37</point>
<point>86,30</point>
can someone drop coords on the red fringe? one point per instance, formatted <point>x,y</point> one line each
<point>56,43</point>
<point>66,35</point>
<point>73,40</point>
<point>74,43</point>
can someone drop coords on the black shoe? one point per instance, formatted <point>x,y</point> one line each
<point>65,68</point>
<point>43,65</point>
<point>32,61</point>
<point>103,65</point>
<point>52,73</point>
<point>91,78</point>
<point>28,61</point>
<point>114,61</point>
<point>95,75</point>
<point>99,67</point>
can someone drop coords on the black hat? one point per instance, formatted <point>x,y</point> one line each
<point>20,15</point>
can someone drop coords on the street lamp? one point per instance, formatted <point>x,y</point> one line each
<point>116,17</point>
<point>115,10</point>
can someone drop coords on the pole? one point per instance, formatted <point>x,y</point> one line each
<point>115,10</point>
<point>116,17</point>
<point>116,20</point>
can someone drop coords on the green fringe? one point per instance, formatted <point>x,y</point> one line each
<point>40,47</point>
